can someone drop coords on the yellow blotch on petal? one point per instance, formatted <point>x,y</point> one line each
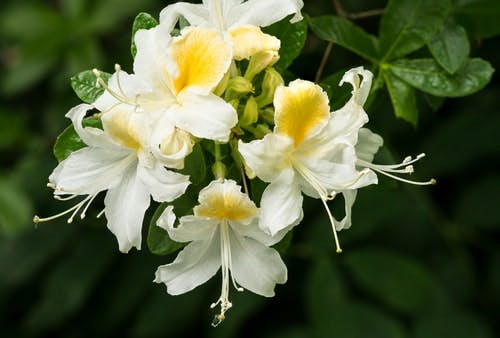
<point>202,58</point>
<point>301,109</point>
<point>225,201</point>
<point>250,40</point>
<point>122,128</point>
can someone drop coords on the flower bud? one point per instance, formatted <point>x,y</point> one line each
<point>250,113</point>
<point>261,61</point>
<point>237,87</point>
<point>272,80</point>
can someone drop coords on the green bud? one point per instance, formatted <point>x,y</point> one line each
<point>261,130</point>
<point>221,87</point>
<point>259,62</point>
<point>272,80</point>
<point>250,113</point>
<point>267,115</point>
<point>237,87</point>
<point>219,170</point>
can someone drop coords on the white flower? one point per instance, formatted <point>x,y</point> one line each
<point>311,150</point>
<point>182,73</point>
<point>116,159</point>
<point>237,19</point>
<point>224,234</point>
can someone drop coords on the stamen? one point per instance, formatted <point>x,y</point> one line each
<point>122,98</point>
<point>74,210</point>
<point>332,221</point>
<point>60,198</point>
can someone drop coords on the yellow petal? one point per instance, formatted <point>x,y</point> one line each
<point>301,109</point>
<point>250,40</point>
<point>119,125</point>
<point>202,58</point>
<point>225,201</point>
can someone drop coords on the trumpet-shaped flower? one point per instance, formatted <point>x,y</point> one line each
<point>116,159</point>
<point>310,150</point>
<point>238,20</point>
<point>224,234</point>
<point>172,84</point>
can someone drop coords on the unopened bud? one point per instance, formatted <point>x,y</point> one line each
<point>261,61</point>
<point>221,87</point>
<point>267,114</point>
<point>250,113</point>
<point>261,130</point>
<point>272,80</point>
<point>237,87</point>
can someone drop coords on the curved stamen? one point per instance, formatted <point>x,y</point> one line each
<point>332,221</point>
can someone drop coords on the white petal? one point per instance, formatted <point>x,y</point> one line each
<point>166,219</point>
<point>265,12</point>
<point>192,228</point>
<point>252,230</point>
<point>90,136</point>
<point>164,185</point>
<point>267,157</point>
<point>255,266</point>
<point>90,170</point>
<point>125,206</point>
<point>360,90</point>
<point>368,144</point>
<point>193,266</point>
<point>349,198</point>
<point>195,14</point>
<point>281,204</point>
<point>204,116</point>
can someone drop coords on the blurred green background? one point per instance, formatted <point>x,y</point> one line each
<point>421,262</point>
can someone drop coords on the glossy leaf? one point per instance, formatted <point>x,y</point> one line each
<point>450,47</point>
<point>395,279</point>
<point>408,24</point>
<point>195,166</point>
<point>338,95</point>
<point>292,37</point>
<point>429,77</point>
<point>84,85</point>
<point>346,34</point>
<point>142,21</point>
<point>69,141</point>
<point>404,101</point>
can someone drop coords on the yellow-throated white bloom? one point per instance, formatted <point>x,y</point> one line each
<point>310,150</point>
<point>181,73</point>
<point>116,159</point>
<point>238,20</point>
<point>224,234</point>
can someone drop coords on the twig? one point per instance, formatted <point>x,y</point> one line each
<point>322,65</point>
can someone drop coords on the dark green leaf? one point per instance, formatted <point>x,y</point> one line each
<point>195,166</point>
<point>399,281</point>
<point>480,17</point>
<point>84,85</point>
<point>451,323</point>
<point>408,24</point>
<point>292,37</point>
<point>142,21</point>
<point>338,95</point>
<point>450,47</point>
<point>159,242</point>
<point>346,34</point>
<point>429,77</point>
<point>69,141</point>
<point>402,97</point>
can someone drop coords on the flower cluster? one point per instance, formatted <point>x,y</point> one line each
<point>212,83</point>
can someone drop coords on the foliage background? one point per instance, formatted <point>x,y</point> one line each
<point>418,262</point>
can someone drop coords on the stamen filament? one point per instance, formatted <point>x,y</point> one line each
<point>332,221</point>
<point>386,170</point>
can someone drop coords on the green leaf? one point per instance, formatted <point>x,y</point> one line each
<point>404,101</point>
<point>292,37</point>
<point>84,85</point>
<point>69,141</point>
<point>408,24</point>
<point>338,95</point>
<point>195,165</point>
<point>429,77</point>
<point>480,17</point>
<point>451,323</point>
<point>142,21</point>
<point>399,281</point>
<point>159,242</point>
<point>450,47</point>
<point>16,208</point>
<point>346,34</point>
